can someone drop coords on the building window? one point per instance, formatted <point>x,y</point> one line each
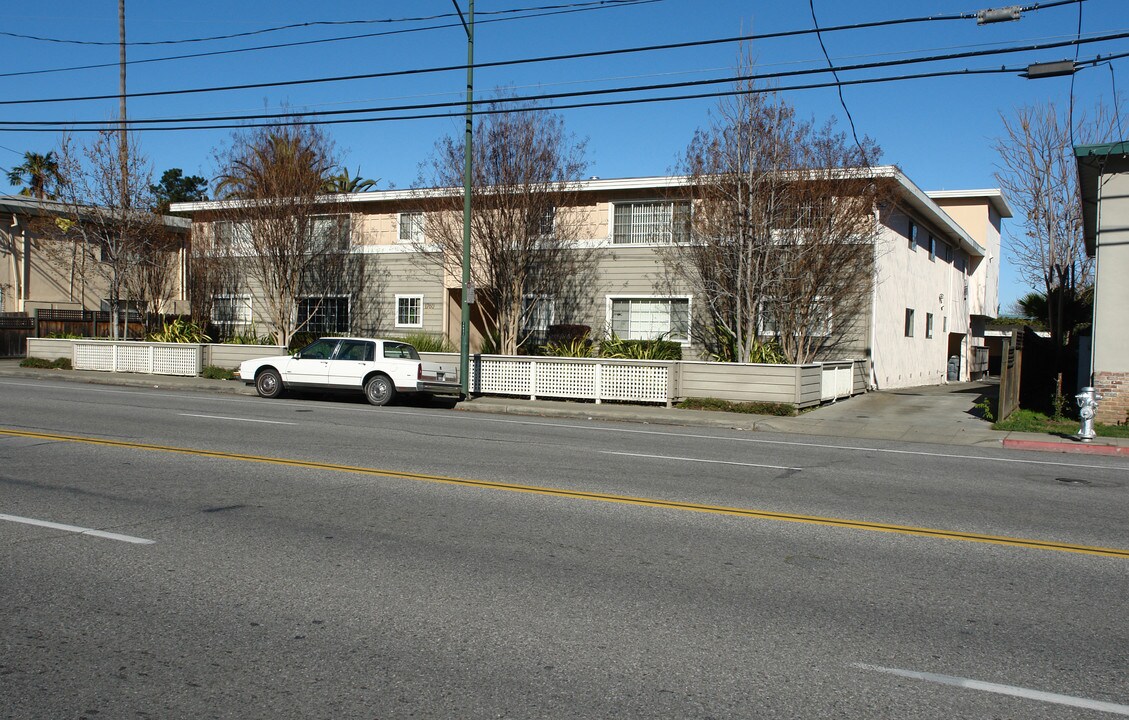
<point>330,232</point>
<point>409,311</point>
<point>546,222</point>
<point>650,318</point>
<point>818,320</point>
<point>323,315</point>
<point>234,237</point>
<point>932,247</point>
<point>411,227</point>
<point>948,253</point>
<point>928,325</point>
<point>909,322</point>
<point>651,223</point>
<point>912,234</point>
<point>536,317</point>
<point>231,310</point>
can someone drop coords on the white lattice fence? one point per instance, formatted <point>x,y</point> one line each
<point>137,357</point>
<point>632,381</point>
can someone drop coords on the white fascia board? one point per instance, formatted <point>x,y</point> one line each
<point>916,198</point>
<point>994,196</point>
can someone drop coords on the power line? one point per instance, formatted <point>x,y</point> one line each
<point>386,33</point>
<point>520,61</point>
<point>581,93</point>
<point>494,106</point>
<point>313,23</point>
<point>838,85</point>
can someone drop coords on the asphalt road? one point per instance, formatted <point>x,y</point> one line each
<point>314,559</point>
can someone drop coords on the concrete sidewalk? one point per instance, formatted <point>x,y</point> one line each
<point>939,414</point>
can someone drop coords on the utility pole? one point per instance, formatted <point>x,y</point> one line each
<point>123,159</point>
<point>464,332</point>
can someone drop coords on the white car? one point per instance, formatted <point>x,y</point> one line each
<point>380,369</point>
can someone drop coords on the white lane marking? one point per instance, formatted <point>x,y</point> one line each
<point>77,529</point>
<point>224,417</point>
<point>477,417</point>
<point>700,460</point>
<point>1012,690</point>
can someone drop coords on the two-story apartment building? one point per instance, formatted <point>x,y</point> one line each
<point>936,263</point>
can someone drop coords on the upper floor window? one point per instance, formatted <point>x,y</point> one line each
<point>331,232</point>
<point>909,322</point>
<point>234,237</point>
<point>651,223</point>
<point>912,234</point>
<point>411,227</point>
<point>932,247</point>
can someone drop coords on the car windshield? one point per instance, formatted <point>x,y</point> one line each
<point>400,350</point>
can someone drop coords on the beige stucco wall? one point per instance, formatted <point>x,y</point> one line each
<point>908,278</point>
<point>1111,296</point>
<point>982,222</point>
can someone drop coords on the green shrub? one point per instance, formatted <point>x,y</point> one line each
<point>250,337</point>
<point>752,408</point>
<point>215,372</point>
<point>429,343</point>
<point>576,347</point>
<point>657,349</point>
<point>63,336</point>
<point>179,331</point>
<point>45,364</point>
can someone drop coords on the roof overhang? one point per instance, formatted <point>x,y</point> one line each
<point>1093,162</point>
<point>22,205</point>
<point>994,197</point>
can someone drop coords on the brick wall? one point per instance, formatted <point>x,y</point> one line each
<point>1114,405</point>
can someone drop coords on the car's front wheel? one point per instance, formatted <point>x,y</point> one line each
<point>379,390</point>
<point>268,384</point>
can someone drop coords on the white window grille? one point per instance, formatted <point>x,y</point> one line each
<point>536,317</point>
<point>411,227</point>
<point>409,311</point>
<point>644,318</point>
<point>327,315</point>
<point>235,237</point>
<point>651,223</point>
<point>231,310</point>
<point>330,232</point>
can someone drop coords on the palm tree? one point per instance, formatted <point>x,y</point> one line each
<point>272,164</point>
<point>344,183</point>
<point>40,173</point>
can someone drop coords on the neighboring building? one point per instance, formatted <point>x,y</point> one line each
<point>42,266</point>
<point>1103,172</point>
<point>936,260</point>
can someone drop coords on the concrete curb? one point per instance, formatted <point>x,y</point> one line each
<point>1066,447</point>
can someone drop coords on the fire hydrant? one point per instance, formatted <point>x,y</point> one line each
<point>1088,405</point>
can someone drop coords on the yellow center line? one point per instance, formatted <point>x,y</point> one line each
<point>600,497</point>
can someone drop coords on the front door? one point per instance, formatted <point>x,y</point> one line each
<point>354,360</point>
<point>310,366</point>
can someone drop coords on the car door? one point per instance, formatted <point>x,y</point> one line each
<point>354,360</point>
<point>310,366</point>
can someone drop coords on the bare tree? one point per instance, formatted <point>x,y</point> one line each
<point>524,257</point>
<point>782,229</point>
<point>293,243</point>
<point>110,228</point>
<point>1038,172</point>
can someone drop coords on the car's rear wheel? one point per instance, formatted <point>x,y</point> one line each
<point>379,390</point>
<point>268,384</point>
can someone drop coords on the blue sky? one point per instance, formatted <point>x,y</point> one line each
<point>939,131</point>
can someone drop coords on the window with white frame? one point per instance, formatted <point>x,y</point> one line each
<point>536,317</point>
<point>411,227</point>
<point>928,325</point>
<point>234,237</point>
<point>331,232</point>
<point>327,315</point>
<point>231,310</point>
<point>409,311</point>
<point>546,221</point>
<point>650,223</point>
<point>909,322</point>
<point>649,318</point>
